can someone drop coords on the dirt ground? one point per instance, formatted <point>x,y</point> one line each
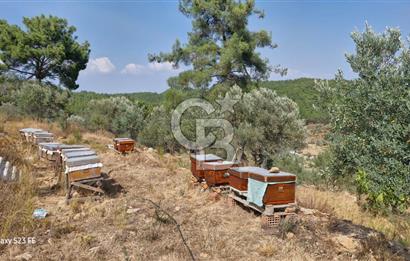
<point>128,226</point>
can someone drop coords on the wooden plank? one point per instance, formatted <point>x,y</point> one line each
<point>85,186</point>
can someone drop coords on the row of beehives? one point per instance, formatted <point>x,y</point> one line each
<point>8,172</point>
<point>252,186</point>
<point>78,162</point>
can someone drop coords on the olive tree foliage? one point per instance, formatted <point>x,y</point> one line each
<point>157,130</point>
<point>45,50</point>
<point>41,102</point>
<point>265,124</point>
<point>220,48</point>
<point>116,114</point>
<point>370,123</point>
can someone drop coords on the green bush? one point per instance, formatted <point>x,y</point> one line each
<point>39,101</point>
<point>370,123</point>
<point>157,131</point>
<point>116,114</point>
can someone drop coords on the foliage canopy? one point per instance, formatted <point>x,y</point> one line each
<point>46,50</point>
<point>221,48</point>
<point>370,119</point>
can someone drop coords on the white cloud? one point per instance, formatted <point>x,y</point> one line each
<point>155,66</point>
<point>133,68</point>
<point>100,65</point>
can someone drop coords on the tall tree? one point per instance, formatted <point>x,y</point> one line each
<point>46,50</point>
<point>221,48</point>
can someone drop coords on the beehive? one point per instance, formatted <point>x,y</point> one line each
<point>197,161</point>
<point>124,145</point>
<point>238,177</point>
<point>27,133</point>
<point>52,151</point>
<point>279,188</point>
<point>42,137</point>
<point>47,149</point>
<point>82,168</point>
<point>215,173</point>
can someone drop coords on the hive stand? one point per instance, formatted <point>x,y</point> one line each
<point>94,185</point>
<point>271,215</point>
<point>103,185</point>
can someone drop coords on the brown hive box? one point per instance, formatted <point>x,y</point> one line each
<point>238,177</point>
<point>215,172</point>
<point>124,145</point>
<point>197,161</point>
<point>280,189</point>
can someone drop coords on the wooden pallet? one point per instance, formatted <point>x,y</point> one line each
<point>271,215</point>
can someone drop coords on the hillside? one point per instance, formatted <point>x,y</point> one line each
<point>129,227</point>
<point>300,90</point>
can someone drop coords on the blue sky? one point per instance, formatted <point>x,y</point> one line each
<point>313,36</point>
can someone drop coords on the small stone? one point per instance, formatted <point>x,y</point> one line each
<point>177,209</point>
<point>307,211</point>
<point>94,250</point>
<point>133,210</point>
<point>24,256</point>
<point>290,235</point>
<point>203,255</point>
<point>274,170</point>
<point>347,243</point>
<point>77,216</point>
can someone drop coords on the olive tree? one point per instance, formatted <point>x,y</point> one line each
<point>157,130</point>
<point>116,114</point>
<point>370,123</point>
<point>266,124</point>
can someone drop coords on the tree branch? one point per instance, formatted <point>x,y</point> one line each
<point>20,71</point>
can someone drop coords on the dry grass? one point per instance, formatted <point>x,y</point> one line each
<point>344,206</point>
<point>17,199</point>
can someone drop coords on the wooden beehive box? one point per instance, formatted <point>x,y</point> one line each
<point>215,172</point>
<point>238,177</point>
<point>124,145</point>
<point>27,133</point>
<point>280,187</point>
<point>47,150</point>
<point>197,161</point>
<point>82,168</point>
<point>42,137</point>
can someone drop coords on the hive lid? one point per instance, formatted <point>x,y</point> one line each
<point>83,153</point>
<point>216,163</point>
<point>279,174</point>
<point>49,145</point>
<point>219,165</point>
<point>65,150</point>
<point>273,177</point>
<point>124,139</point>
<point>205,157</point>
<point>29,130</point>
<point>256,170</point>
<point>71,146</point>
<point>79,161</point>
<point>42,134</point>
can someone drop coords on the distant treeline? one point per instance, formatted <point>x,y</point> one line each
<point>301,91</point>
